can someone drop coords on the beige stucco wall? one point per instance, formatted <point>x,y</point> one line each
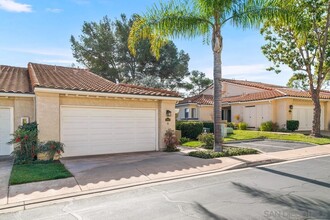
<point>327,115</point>
<point>48,112</point>
<point>234,90</point>
<point>22,107</point>
<point>205,113</point>
<point>48,116</point>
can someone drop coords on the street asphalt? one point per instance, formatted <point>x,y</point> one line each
<point>292,190</point>
<point>268,146</point>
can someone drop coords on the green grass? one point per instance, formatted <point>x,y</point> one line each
<point>247,135</point>
<point>193,144</point>
<point>27,173</point>
<point>227,152</point>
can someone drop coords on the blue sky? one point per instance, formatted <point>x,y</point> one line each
<point>39,31</point>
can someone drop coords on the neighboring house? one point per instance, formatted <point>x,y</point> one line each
<point>254,103</point>
<point>86,112</point>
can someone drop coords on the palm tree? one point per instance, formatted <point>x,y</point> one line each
<point>189,19</point>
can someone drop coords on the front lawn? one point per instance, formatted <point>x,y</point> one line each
<point>193,144</point>
<point>39,171</point>
<point>247,135</point>
<point>227,152</point>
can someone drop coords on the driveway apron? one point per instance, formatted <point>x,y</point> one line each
<point>6,164</point>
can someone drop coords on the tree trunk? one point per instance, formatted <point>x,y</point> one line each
<point>316,129</point>
<point>217,74</point>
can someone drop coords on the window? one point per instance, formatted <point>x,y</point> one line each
<point>186,113</point>
<point>193,113</point>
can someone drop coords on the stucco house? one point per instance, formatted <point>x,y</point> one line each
<point>254,103</point>
<point>86,112</point>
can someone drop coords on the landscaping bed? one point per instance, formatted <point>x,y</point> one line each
<point>227,152</point>
<point>38,171</point>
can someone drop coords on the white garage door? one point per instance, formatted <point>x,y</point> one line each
<point>249,116</point>
<point>92,131</point>
<point>304,114</point>
<point>5,131</point>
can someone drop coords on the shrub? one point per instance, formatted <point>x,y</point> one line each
<point>232,125</point>
<point>227,152</point>
<point>190,129</point>
<point>171,141</point>
<point>292,125</point>
<point>209,125</point>
<point>230,130</point>
<point>207,139</point>
<point>269,126</point>
<point>25,140</point>
<point>184,140</point>
<point>51,148</point>
<point>242,126</point>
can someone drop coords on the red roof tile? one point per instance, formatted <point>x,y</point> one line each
<point>14,80</point>
<point>200,99</point>
<point>259,85</point>
<point>58,77</point>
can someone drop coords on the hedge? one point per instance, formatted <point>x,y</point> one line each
<point>292,125</point>
<point>190,129</point>
<point>210,125</point>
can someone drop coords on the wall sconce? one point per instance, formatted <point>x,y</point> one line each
<point>168,113</point>
<point>290,108</point>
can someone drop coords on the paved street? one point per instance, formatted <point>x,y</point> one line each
<point>268,145</point>
<point>292,190</point>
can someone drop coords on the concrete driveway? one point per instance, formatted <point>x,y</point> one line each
<point>268,146</point>
<point>94,172</point>
<point>6,164</point>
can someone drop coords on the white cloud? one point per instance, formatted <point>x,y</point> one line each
<point>54,10</point>
<point>12,6</point>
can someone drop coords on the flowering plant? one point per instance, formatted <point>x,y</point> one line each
<point>171,141</point>
<point>25,140</point>
<point>52,148</point>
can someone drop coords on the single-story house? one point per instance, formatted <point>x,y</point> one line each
<point>86,112</point>
<point>254,103</point>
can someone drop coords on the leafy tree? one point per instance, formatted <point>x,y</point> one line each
<point>194,18</point>
<point>198,82</point>
<point>304,46</point>
<point>103,48</point>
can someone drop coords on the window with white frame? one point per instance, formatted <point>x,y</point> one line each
<point>186,113</point>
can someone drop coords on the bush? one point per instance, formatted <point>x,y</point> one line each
<point>269,126</point>
<point>207,139</point>
<point>25,140</point>
<point>232,125</point>
<point>184,140</point>
<point>171,141</point>
<point>51,148</point>
<point>292,125</point>
<point>190,129</point>
<point>209,125</point>
<point>227,152</point>
<point>242,126</point>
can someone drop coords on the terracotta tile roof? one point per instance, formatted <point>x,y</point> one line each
<point>200,99</point>
<point>14,80</point>
<point>265,95</point>
<point>58,77</point>
<point>259,85</point>
<point>324,94</point>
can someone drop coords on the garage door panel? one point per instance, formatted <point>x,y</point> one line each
<point>5,131</point>
<point>304,114</point>
<point>88,131</point>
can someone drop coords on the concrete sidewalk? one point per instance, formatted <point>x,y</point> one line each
<point>111,172</point>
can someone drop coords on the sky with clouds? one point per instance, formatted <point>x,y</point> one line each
<point>39,31</point>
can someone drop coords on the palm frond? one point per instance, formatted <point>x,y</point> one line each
<point>173,19</point>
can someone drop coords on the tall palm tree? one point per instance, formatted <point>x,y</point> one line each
<point>189,19</point>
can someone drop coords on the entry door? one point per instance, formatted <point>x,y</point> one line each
<point>5,131</point>
<point>91,131</point>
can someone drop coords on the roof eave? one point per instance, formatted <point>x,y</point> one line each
<point>105,94</point>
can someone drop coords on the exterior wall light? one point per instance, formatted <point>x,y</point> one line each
<point>168,113</point>
<point>290,108</point>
